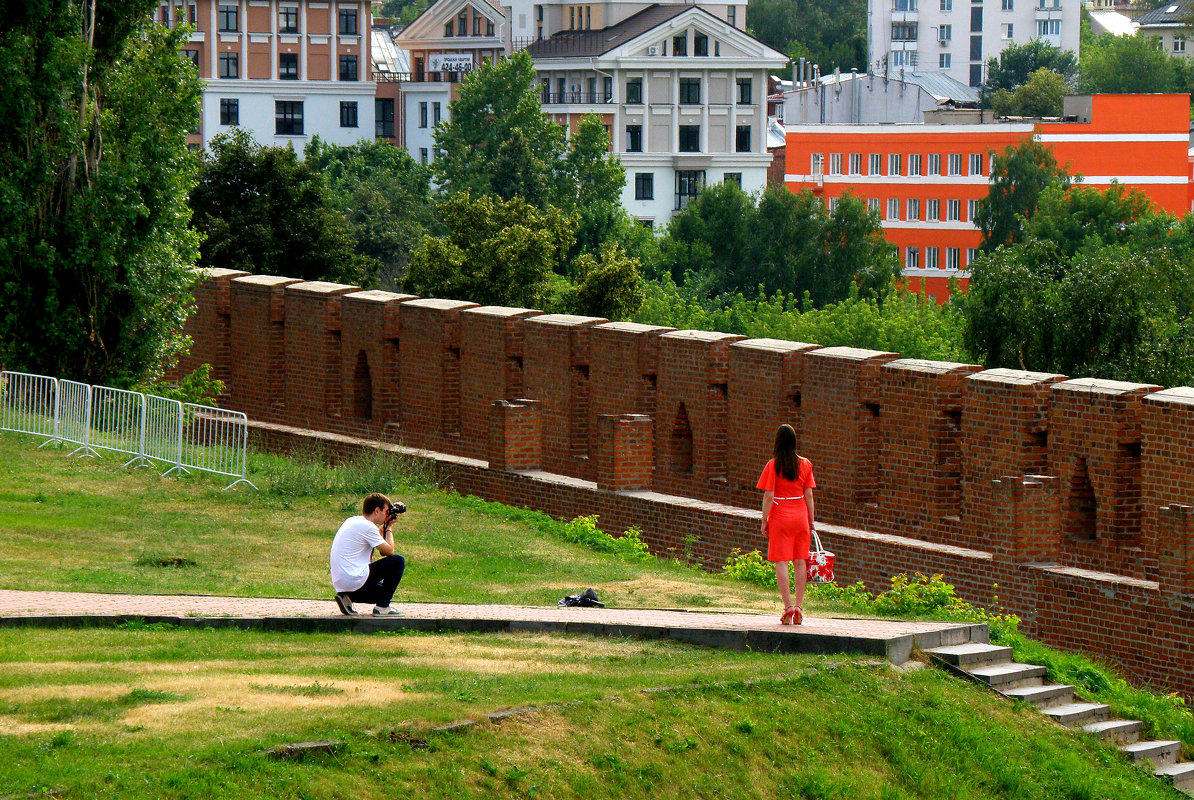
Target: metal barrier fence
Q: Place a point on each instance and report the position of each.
(149, 428)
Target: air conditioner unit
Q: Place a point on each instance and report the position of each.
(652, 50)
(944, 42)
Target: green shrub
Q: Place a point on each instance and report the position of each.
(309, 473)
(629, 546)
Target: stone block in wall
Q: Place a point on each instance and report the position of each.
(841, 411)
(210, 327)
(624, 368)
(1167, 465)
(921, 490)
(1095, 453)
(764, 392)
(1006, 432)
(313, 339)
(429, 359)
(257, 380)
(369, 364)
(1023, 514)
(556, 367)
(623, 452)
(515, 440)
(491, 358)
(692, 414)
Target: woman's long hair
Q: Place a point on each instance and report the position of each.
(786, 458)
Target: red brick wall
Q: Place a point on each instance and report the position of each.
(210, 326)
(933, 467)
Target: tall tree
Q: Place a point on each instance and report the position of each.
(1017, 63)
(1019, 175)
(831, 33)
(263, 210)
(1130, 64)
(1042, 96)
(95, 253)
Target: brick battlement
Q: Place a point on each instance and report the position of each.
(1073, 496)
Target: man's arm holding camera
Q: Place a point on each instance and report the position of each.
(386, 548)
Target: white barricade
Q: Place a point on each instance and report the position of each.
(162, 439)
(215, 440)
(29, 404)
(118, 422)
(74, 416)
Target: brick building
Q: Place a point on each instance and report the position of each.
(925, 179)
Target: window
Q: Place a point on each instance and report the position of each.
(894, 164)
(913, 210)
(953, 258)
(875, 165)
(689, 183)
(953, 210)
(904, 58)
(934, 163)
(1009, 5)
(634, 138)
(462, 23)
(592, 93)
(903, 31)
(976, 163)
(476, 25)
(734, 178)
(348, 68)
(955, 163)
(903, 5)
(971, 209)
(732, 15)
(423, 114)
(817, 165)
(700, 44)
(423, 155)
(288, 64)
(914, 165)
(690, 91)
(976, 73)
(745, 85)
(971, 254)
(348, 114)
(634, 90)
(347, 18)
(435, 114)
(448, 27)
(229, 64)
(607, 88)
(932, 257)
(933, 210)
(945, 33)
(912, 258)
(831, 205)
(976, 18)
(192, 56)
(945, 60)
(856, 163)
(1048, 27)
(489, 27)
(571, 18)
(1179, 45)
(893, 208)
(680, 45)
(644, 186)
(742, 139)
(835, 163)
(872, 205)
(227, 19)
(384, 110)
(690, 138)
(947, 5)
(229, 112)
(1007, 30)
(288, 19)
(288, 117)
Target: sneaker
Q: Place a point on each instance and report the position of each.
(386, 611)
(345, 603)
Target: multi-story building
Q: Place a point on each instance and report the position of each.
(958, 36)
(285, 70)
(925, 180)
(681, 88)
(1169, 22)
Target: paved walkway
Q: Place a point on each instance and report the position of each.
(890, 638)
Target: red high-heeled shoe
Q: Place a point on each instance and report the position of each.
(789, 613)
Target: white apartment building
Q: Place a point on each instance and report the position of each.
(1171, 24)
(959, 36)
(285, 70)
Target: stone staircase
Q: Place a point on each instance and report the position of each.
(992, 666)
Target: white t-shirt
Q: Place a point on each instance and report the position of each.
(351, 549)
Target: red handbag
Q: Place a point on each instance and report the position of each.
(820, 562)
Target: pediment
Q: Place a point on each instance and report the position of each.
(430, 24)
(723, 39)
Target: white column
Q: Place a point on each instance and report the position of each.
(273, 39)
(213, 41)
(303, 47)
(243, 24)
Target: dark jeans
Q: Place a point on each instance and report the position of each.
(384, 576)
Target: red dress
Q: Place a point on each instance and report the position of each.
(787, 523)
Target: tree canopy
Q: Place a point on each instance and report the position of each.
(1041, 96)
(1132, 64)
(831, 33)
(95, 253)
(1018, 176)
(1017, 63)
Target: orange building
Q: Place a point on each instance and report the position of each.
(925, 179)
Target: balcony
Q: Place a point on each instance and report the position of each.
(574, 98)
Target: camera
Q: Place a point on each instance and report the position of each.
(395, 509)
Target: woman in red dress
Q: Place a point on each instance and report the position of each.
(787, 484)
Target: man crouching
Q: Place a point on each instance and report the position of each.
(354, 578)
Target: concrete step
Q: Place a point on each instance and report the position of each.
(1052, 694)
(1073, 714)
(1161, 753)
(1180, 775)
(965, 656)
(1117, 730)
(1009, 676)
